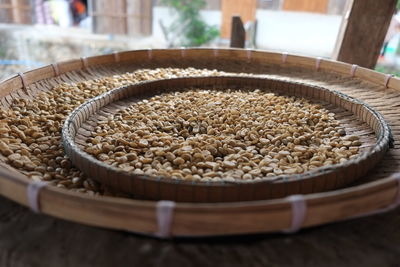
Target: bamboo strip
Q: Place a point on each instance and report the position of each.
(223, 218)
(323, 178)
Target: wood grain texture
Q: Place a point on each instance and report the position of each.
(238, 33)
(316, 6)
(246, 9)
(363, 32)
(15, 11)
(28, 239)
(131, 18)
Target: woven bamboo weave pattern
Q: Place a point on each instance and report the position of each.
(376, 190)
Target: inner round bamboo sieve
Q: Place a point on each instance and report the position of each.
(148, 187)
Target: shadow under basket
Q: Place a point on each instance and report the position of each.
(376, 190)
(357, 115)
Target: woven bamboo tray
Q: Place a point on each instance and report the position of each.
(377, 191)
(357, 116)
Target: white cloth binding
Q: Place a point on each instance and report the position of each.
(387, 79)
(284, 57)
(183, 51)
(84, 62)
(56, 69)
(23, 80)
(33, 191)
(353, 70)
(299, 211)
(116, 56)
(150, 54)
(249, 54)
(215, 52)
(165, 212)
(318, 63)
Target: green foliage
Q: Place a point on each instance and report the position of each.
(388, 70)
(189, 28)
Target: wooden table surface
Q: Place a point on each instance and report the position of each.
(28, 239)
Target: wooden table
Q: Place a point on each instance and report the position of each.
(28, 239)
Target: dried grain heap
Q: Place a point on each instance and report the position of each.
(31, 141)
(330, 84)
(214, 135)
(30, 130)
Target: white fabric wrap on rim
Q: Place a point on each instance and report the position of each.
(116, 56)
(318, 63)
(249, 54)
(183, 51)
(56, 69)
(215, 52)
(284, 57)
(299, 211)
(165, 214)
(387, 79)
(353, 70)
(23, 80)
(299, 208)
(84, 62)
(33, 191)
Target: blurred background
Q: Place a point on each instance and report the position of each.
(38, 32)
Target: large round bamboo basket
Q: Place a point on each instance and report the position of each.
(77, 127)
(377, 191)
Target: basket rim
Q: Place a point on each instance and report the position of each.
(13, 185)
(383, 136)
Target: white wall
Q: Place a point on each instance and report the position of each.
(293, 32)
(297, 32)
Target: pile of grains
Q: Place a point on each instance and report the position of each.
(214, 135)
(30, 130)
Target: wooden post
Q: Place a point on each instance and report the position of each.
(316, 6)
(139, 17)
(147, 17)
(238, 34)
(246, 9)
(16, 11)
(363, 31)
